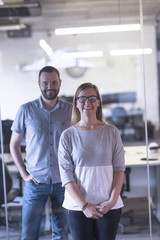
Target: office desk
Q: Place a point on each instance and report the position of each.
(131, 115)
(134, 154)
(138, 175)
(14, 173)
(12, 169)
(9, 160)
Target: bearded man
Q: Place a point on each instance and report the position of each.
(41, 123)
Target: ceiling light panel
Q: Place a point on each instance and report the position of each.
(45, 46)
(97, 29)
(126, 52)
(82, 54)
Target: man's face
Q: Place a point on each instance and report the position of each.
(49, 84)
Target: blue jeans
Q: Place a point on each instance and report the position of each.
(34, 199)
(83, 228)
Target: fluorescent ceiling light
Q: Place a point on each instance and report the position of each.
(46, 47)
(125, 52)
(97, 29)
(82, 54)
(16, 26)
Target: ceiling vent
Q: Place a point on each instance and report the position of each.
(25, 32)
(20, 10)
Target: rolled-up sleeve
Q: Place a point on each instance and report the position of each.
(18, 125)
(66, 166)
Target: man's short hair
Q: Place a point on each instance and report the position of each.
(48, 69)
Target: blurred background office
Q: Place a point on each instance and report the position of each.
(32, 36)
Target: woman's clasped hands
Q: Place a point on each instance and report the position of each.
(97, 211)
(92, 211)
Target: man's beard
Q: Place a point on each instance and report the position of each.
(50, 96)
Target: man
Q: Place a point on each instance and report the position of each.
(41, 122)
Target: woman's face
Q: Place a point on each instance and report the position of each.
(88, 102)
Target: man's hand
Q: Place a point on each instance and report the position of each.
(27, 177)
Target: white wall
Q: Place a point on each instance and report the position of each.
(110, 74)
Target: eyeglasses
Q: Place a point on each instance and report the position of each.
(82, 99)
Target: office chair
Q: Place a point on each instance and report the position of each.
(126, 188)
(119, 119)
(10, 192)
(6, 129)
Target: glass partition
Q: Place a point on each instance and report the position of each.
(128, 83)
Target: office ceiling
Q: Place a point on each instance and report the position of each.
(45, 15)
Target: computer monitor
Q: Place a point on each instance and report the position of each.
(124, 97)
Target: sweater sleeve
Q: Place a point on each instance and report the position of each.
(65, 159)
(118, 152)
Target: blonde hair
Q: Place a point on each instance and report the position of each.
(75, 111)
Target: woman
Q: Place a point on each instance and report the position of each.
(91, 160)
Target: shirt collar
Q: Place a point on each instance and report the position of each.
(40, 102)
(58, 104)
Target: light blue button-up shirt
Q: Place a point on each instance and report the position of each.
(42, 129)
